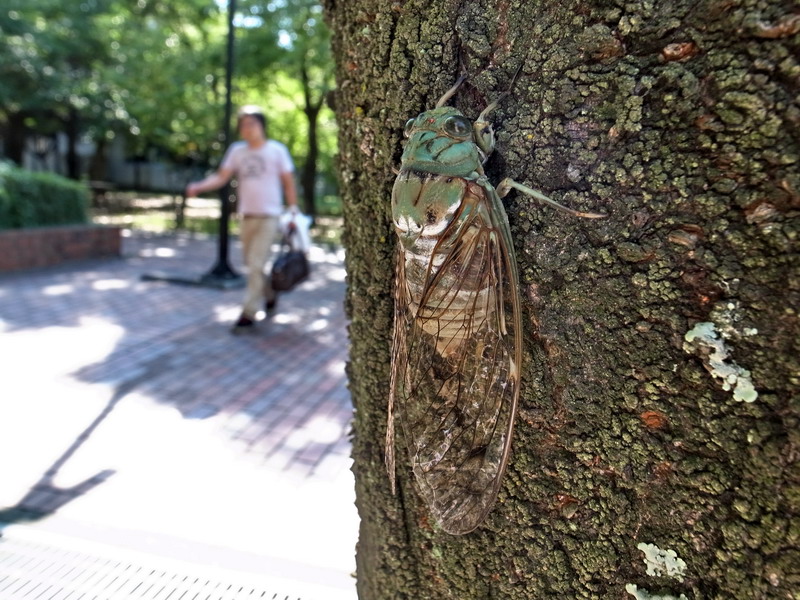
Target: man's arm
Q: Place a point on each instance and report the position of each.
(213, 182)
(289, 190)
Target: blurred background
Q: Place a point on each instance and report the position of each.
(128, 97)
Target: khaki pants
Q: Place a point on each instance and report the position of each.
(258, 234)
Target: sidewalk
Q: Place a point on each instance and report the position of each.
(136, 430)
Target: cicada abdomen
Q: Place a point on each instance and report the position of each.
(457, 350)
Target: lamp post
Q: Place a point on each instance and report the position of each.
(221, 274)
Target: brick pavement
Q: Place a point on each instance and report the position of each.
(133, 419)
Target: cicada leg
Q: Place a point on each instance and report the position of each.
(505, 186)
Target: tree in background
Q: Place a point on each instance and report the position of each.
(300, 81)
(170, 73)
(656, 449)
(98, 69)
(153, 72)
(47, 71)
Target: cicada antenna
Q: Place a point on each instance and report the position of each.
(498, 100)
(449, 93)
(461, 79)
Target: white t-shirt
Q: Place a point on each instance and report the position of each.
(258, 172)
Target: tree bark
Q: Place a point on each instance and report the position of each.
(643, 465)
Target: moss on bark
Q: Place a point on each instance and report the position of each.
(681, 121)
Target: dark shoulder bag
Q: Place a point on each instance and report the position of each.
(290, 266)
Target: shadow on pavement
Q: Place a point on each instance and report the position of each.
(157, 404)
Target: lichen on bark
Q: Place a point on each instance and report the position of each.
(681, 121)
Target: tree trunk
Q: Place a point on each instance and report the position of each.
(72, 126)
(99, 163)
(15, 135)
(311, 109)
(644, 464)
(308, 177)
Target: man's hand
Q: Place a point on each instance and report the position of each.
(212, 182)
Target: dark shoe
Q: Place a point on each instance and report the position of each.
(244, 324)
(271, 306)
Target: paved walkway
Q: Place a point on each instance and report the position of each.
(135, 427)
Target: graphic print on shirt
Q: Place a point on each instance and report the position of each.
(253, 166)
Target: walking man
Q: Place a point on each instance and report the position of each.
(265, 174)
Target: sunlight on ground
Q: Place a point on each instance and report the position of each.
(337, 275)
(164, 474)
(224, 314)
(317, 325)
(111, 284)
(172, 473)
(320, 430)
(287, 318)
(32, 405)
(337, 367)
(157, 252)
(91, 340)
(31, 391)
(124, 462)
(58, 289)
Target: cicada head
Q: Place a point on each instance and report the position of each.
(441, 141)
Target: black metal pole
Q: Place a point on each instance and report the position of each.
(222, 269)
(221, 274)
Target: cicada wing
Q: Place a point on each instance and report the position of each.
(399, 361)
(459, 380)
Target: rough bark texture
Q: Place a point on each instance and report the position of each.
(681, 120)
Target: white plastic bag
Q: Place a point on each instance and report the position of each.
(301, 241)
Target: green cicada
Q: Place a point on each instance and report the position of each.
(457, 348)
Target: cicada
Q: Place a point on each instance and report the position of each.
(457, 346)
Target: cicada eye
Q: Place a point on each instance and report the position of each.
(458, 126)
(409, 126)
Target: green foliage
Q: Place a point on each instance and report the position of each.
(29, 199)
(330, 206)
(168, 77)
(153, 71)
(282, 100)
(149, 70)
(294, 92)
(55, 58)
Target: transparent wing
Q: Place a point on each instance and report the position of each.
(399, 361)
(456, 379)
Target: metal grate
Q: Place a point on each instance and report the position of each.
(40, 571)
